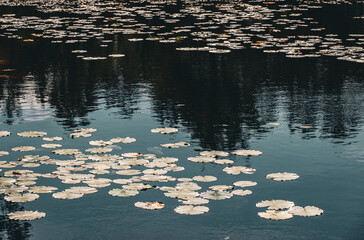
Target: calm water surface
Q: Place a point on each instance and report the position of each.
(218, 102)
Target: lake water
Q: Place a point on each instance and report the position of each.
(218, 101)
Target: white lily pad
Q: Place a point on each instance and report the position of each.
(245, 183)
(284, 176)
(241, 192)
(66, 151)
(205, 178)
(67, 195)
(149, 205)
(123, 192)
(32, 134)
(23, 149)
(275, 204)
(191, 210)
(275, 215)
(26, 215)
(164, 130)
(308, 211)
(51, 139)
(27, 197)
(216, 195)
(247, 152)
(4, 133)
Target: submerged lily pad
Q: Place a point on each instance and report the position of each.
(26, 215)
(191, 210)
(284, 176)
(308, 211)
(149, 205)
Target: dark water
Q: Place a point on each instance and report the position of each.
(218, 102)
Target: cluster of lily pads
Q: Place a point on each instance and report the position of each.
(274, 27)
(19, 185)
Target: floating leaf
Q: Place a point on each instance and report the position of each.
(175, 145)
(284, 176)
(195, 201)
(99, 150)
(51, 145)
(131, 155)
(100, 143)
(235, 170)
(82, 190)
(165, 130)
(205, 178)
(247, 152)
(223, 161)
(308, 211)
(220, 187)
(214, 153)
(123, 192)
(149, 205)
(275, 204)
(129, 172)
(26, 215)
(67, 195)
(181, 194)
(28, 197)
(201, 159)
(42, 189)
(32, 134)
(241, 192)
(51, 139)
(191, 210)
(216, 195)
(3, 153)
(4, 133)
(23, 149)
(123, 140)
(245, 184)
(275, 215)
(66, 151)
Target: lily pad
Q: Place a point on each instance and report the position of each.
(275, 204)
(284, 176)
(191, 210)
(149, 205)
(275, 215)
(26, 215)
(308, 211)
